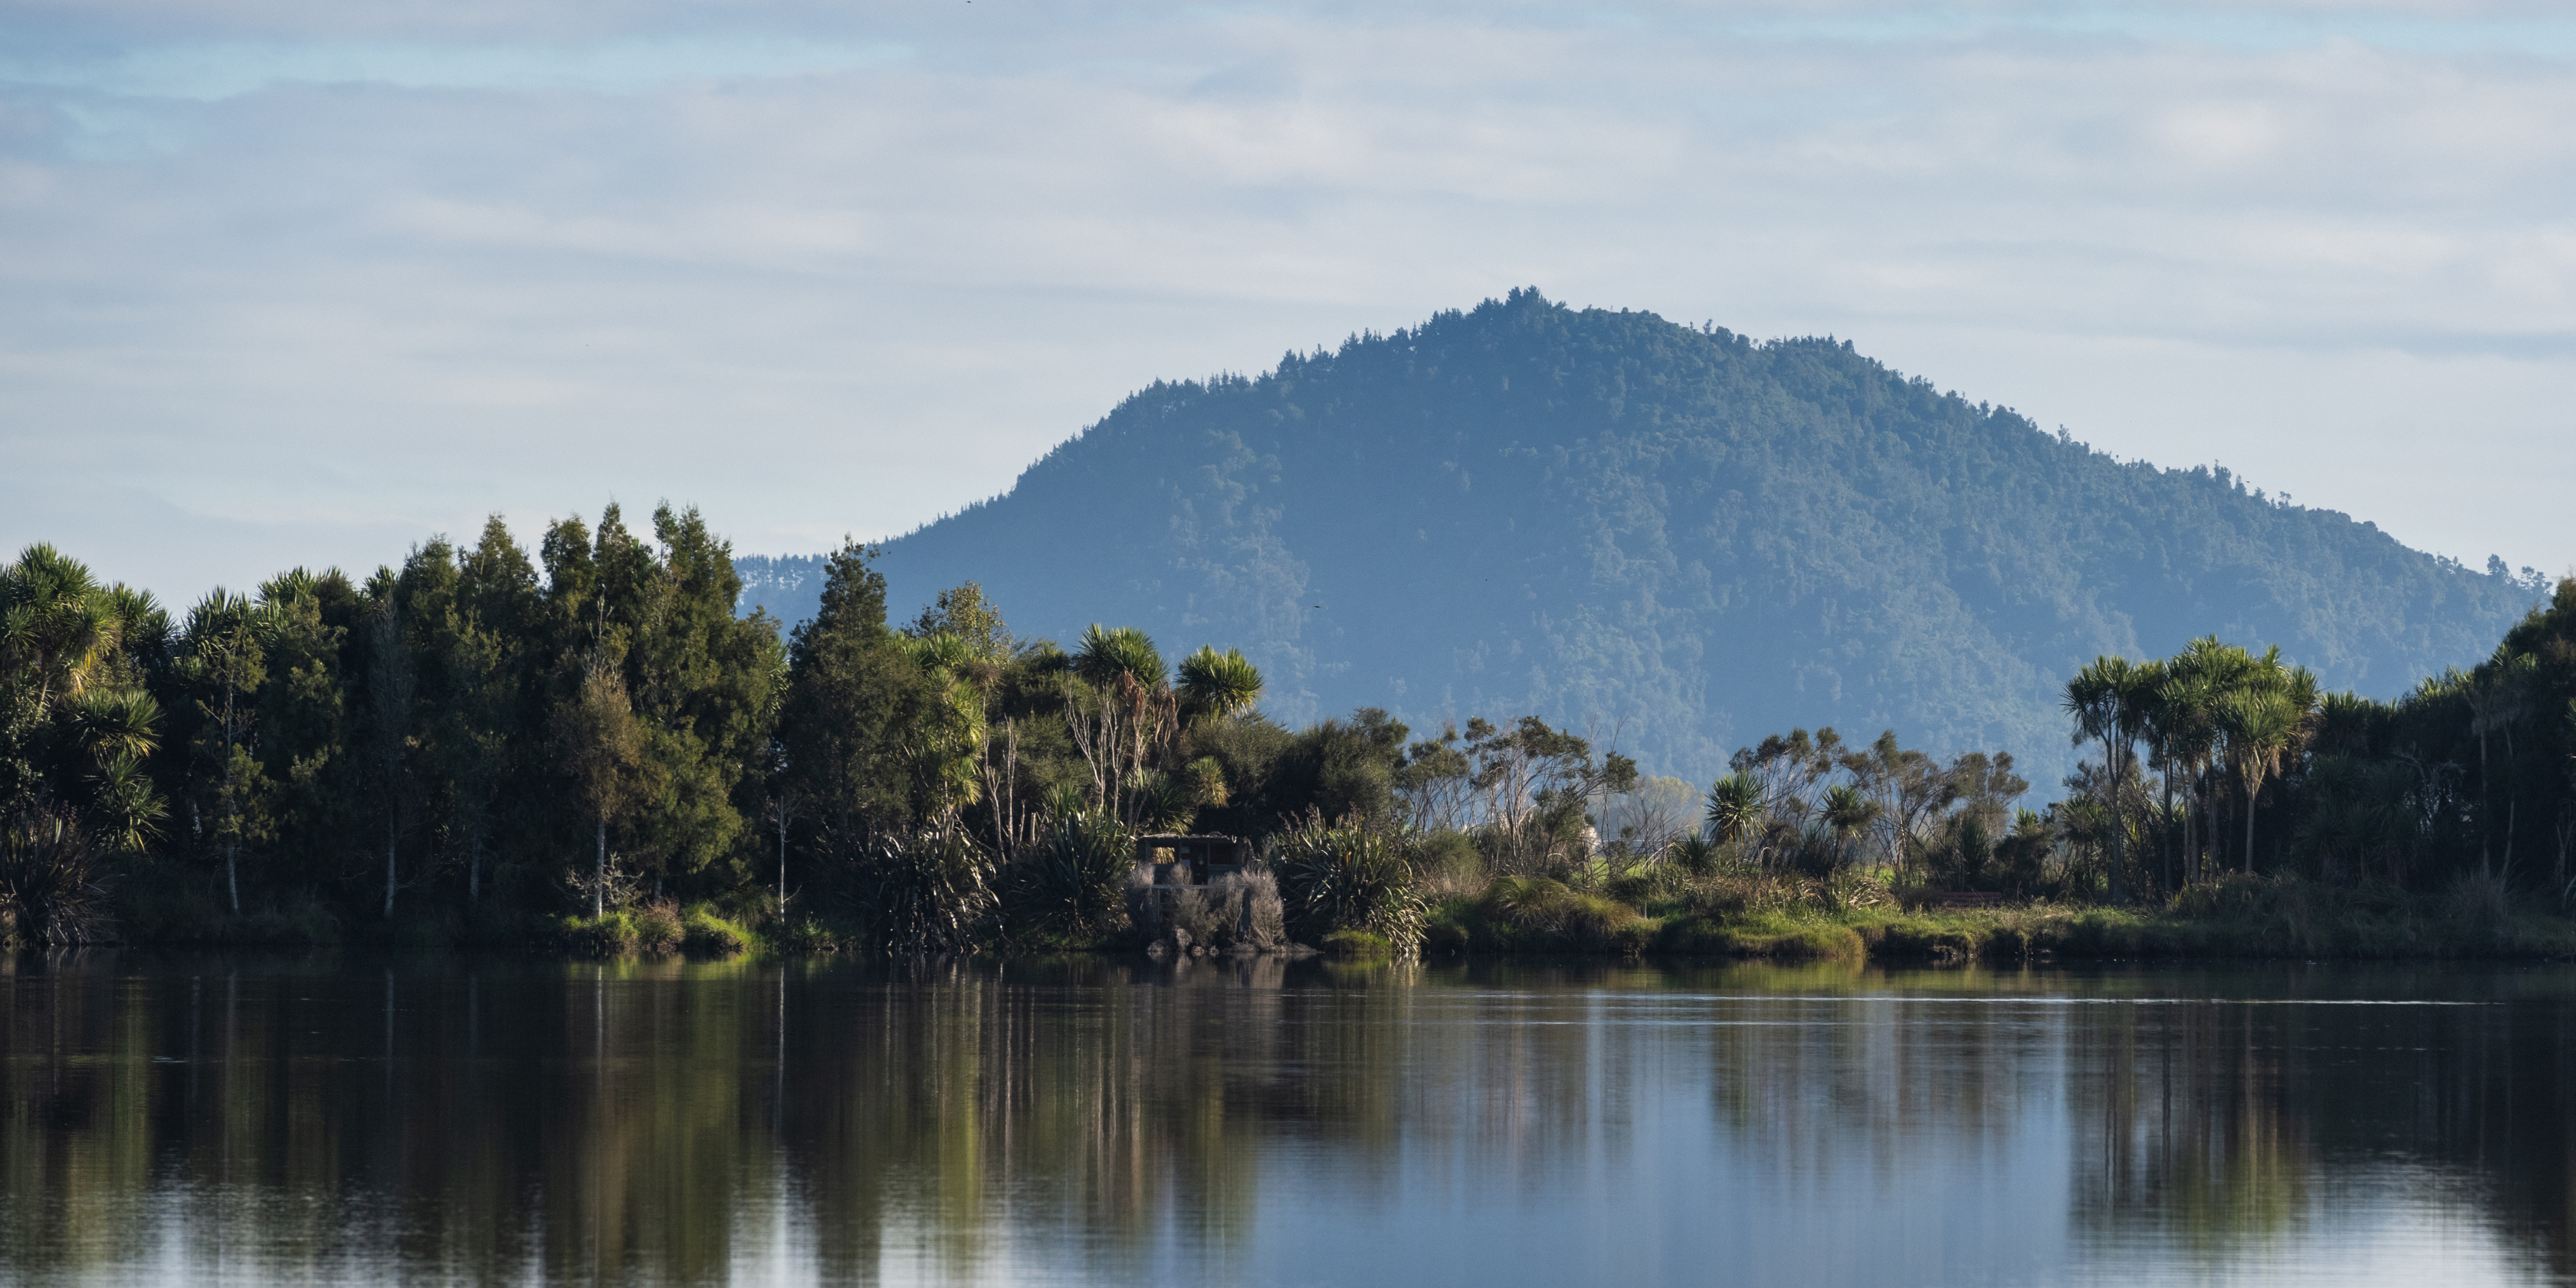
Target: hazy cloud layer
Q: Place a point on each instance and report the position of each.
(305, 282)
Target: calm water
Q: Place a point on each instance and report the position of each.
(270, 1120)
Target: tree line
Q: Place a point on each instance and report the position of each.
(490, 741)
(488, 734)
(2221, 760)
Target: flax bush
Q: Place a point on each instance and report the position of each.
(1072, 884)
(927, 892)
(50, 878)
(1347, 876)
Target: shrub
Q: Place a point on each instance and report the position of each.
(803, 935)
(2479, 907)
(1923, 939)
(1145, 907)
(1696, 854)
(928, 892)
(1347, 876)
(162, 901)
(1446, 931)
(2234, 895)
(1073, 884)
(491, 923)
(1539, 913)
(704, 934)
(610, 934)
(657, 927)
(1445, 859)
(52, 881)
(297, 921)
(649, 929)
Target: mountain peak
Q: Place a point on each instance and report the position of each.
(1674, 533)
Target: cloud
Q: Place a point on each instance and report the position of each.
(305, 283)
(227, 68)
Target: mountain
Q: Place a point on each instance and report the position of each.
(1671, 533)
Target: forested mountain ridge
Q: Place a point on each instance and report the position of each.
(1675, 533)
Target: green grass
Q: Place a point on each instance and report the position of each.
(2240, 917)
(647, 930)
(703, 933)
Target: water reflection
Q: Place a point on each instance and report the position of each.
(246, 1118)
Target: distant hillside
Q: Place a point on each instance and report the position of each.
(1680, 534)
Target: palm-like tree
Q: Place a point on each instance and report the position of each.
(1134, 710)
(2107, 699)
(127, 809)
(951, 738)
(57, 625)
(1735, 808)
(1106, 656)
(1847, 811)
(2187, 736)
(2259, 724)
(2499, 696)
(116, 722)
(2196, 684)
(115, 731)
(1215, 686)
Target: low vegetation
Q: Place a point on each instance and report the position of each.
(1748, 915)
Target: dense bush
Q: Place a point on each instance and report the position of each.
(651, 929)
(704, 934)
(50, 878)
(927, 892)
(1348, 876)
(1070, 886)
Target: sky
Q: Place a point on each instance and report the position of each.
(305, 282)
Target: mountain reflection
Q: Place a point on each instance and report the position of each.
(250, 1117)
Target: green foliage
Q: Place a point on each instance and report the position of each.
(1535, 914)
(1070, 885)
(650, 929)
(1735, 807)
(703, 933)
(51, 876)
(923, 892)
(1124, 653)
(803, 935)
(851, 696)
(1443, 855)
(1348, 876)
(1216, 686)
(445, 749)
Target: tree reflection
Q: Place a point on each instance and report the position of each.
(677, 1121)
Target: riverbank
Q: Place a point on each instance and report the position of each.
(1853, 918)
(2238, 917)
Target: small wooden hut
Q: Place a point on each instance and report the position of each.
(1192, 860)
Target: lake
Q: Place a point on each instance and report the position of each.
(337, 1118)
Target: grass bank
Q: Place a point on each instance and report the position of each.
(1861, 919)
